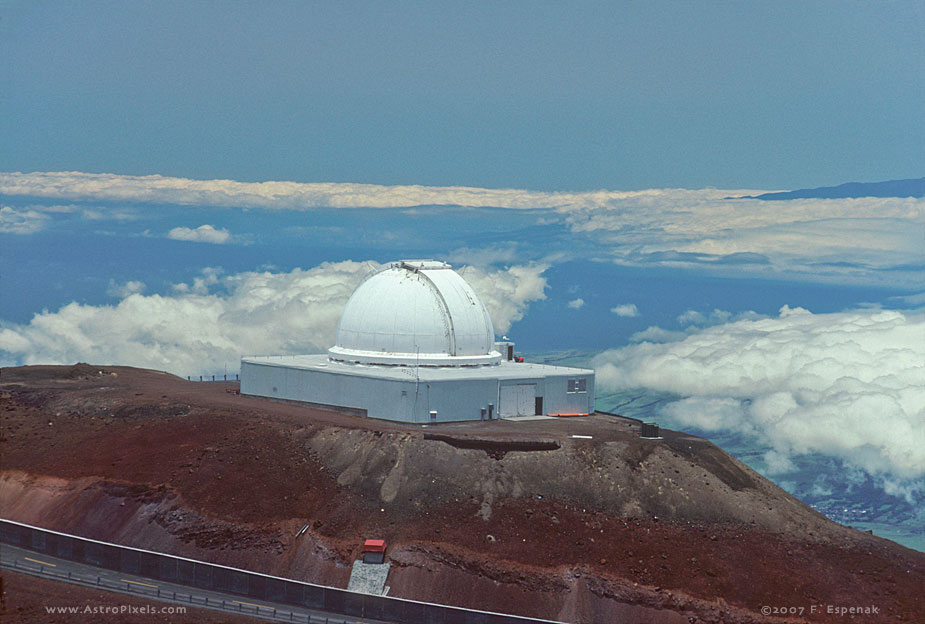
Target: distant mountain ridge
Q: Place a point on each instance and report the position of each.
(890, 188)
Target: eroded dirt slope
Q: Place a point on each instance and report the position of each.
(516, 517)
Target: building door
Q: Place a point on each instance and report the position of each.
(518, 400)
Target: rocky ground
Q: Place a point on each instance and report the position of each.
(508, 516)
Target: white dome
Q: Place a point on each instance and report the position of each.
(415, 312)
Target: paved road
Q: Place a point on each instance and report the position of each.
(39, 564)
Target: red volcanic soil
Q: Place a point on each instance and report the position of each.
(507, 516)
(25, 598)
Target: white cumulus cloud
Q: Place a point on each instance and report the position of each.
(123, 290)
(23, 221)
(213, 321)
(507, 292)
(576, 304)
(203, 234)
(625, 309)
(849, 385)
(657, 334)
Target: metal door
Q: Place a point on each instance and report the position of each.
(518, 400)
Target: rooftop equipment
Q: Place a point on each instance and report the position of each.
(649, 431)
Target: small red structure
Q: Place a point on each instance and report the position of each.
(374, 551)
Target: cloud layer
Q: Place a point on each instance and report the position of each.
(215, 320)
(849, 385)
(861, 240)
(280, 195)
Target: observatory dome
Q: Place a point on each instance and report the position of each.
(415, 313)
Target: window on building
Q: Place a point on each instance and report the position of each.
(577, 385)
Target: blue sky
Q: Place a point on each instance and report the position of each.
(547, 96)
(183, 183)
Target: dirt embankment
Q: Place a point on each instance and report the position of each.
(516, 517)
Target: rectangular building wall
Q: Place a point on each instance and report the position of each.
(569, 394)
(459, 399)
(412, 399)
(405, 401)
(376, 397)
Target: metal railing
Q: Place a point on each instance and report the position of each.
(194, 600)
(256, 585)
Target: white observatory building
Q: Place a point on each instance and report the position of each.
(416, 344)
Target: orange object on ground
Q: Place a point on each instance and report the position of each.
(567, 415)
(374, 545)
